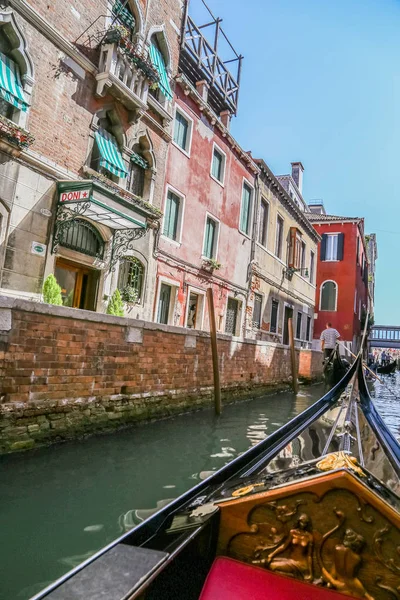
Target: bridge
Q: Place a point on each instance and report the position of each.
(384, 336)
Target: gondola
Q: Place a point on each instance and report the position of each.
(335, 367)
(390, 368)
(312, 513)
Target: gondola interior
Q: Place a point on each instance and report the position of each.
(312, 512)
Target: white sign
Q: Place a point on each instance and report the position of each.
(75, 196)
(38, 248)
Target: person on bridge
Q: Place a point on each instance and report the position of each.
(328, 339)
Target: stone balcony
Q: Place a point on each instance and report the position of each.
(122, 78)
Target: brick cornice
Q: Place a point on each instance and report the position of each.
(34, 18)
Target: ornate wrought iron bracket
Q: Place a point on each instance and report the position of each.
(66, 215)
(123, 242)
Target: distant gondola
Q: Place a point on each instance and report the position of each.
(390, 368)
(312, 512)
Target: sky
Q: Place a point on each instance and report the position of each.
(321, 84)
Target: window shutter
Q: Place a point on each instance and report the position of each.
(209, 238)
(340, 246)
(244, 217)
(171, 216)
(167, 216)
(323, 246)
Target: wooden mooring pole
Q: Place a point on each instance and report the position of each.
(293, 356)
(214, 350)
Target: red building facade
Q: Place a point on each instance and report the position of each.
(342, 276)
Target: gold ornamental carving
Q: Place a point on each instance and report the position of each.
(339, 460)
(328, 541)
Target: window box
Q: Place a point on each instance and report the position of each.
(14, 134)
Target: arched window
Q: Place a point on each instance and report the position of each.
(328, 296)
(106, 157)
(137, 174)
(130, 280)
(163, 93)
(122, 15)
(82, 236)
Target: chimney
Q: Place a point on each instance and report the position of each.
(203, 87)
(297, 174)
(225, 117)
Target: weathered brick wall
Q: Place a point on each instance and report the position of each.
(67, 372)
(310, 365)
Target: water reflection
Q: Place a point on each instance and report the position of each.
(71, 500)
(387, 400)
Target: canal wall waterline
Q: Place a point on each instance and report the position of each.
(65, 373)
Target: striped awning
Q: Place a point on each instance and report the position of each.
(10, 83)
(158, 61)
(139, 160)
(111, 157)
(122, 12)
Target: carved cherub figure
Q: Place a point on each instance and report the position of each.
(347, 561)
(299, 547)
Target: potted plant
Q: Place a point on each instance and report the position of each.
(129, 294)
(211, 264)
(115, 34)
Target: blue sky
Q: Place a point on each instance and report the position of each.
(321, 84)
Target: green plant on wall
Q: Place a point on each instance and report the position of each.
(51, 291)
(115, 306)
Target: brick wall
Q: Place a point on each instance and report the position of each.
(67, 372)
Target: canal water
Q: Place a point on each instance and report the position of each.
(59, 505)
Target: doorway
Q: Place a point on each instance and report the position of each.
(164, 304)
(288, 315)
(78, 284)
(194, 316)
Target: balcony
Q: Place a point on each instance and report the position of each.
(125, 72)
(201, 60)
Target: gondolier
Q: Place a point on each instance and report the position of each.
(328, 339)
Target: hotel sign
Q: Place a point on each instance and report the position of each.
(75, 195)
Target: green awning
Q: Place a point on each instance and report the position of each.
(111, 157)
(10, 83)
(139, 160)
(122, 13)
(158, 61)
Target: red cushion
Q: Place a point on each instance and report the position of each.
(232, 580)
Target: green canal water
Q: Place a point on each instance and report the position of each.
(61, 504)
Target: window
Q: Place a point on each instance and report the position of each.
(298, 325)
(123, 15)
(279, 237)
(358, 250)
(312, 266)
(210, 238)
(355, 302)
(164, 304)
(274, 316)
(195, 310)
(106, 156)
(263, 228)
(328, 296)
(80, 235)
(257, 311)
(11, 91)
(218, 165)
(163, 92)
(137, 174)
(232, 322)
(172, 216)
(308, 329)
(182, 131)
(245, 212)
(131, 274)
(295, 248)
(303, 258)
(332, 246)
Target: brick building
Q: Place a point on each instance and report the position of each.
(283, 268)
(85, 124)
(342, 296)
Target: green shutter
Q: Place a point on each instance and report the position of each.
(209, 238)
(123, 14)
(181, 131)
(171, 216)
(158, 62)
(245, 211)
